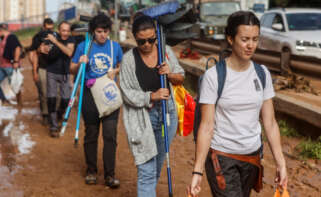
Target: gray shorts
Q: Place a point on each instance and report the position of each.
(55, 81)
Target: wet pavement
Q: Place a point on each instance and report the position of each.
(15, 141)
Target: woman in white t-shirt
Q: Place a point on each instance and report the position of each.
(229, 136)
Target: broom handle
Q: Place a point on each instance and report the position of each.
(164, 110)
(82, 84)
(75, 88)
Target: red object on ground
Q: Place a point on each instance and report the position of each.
(188, 53)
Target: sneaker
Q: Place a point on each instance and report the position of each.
(91, 179)
(112, 182)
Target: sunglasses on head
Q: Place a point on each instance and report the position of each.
(143, 41)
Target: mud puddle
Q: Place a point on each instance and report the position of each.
(15, 141)
(8, 165)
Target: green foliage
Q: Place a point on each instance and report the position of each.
(286, 130)
(106, 4)
(26, 33)
(310, 148)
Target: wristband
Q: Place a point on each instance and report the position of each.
(199, 173)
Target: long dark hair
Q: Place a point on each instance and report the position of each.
(233, 22)
(142, 22)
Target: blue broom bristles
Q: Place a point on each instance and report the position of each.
(168, 7)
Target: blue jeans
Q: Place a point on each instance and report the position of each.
(4, 72)
(149, 172)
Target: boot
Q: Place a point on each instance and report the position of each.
(53, 124)
(62, 108)
(45, 120)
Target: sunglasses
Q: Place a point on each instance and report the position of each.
(143, 41)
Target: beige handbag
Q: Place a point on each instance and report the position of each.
(106, 93)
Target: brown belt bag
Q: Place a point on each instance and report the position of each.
(254, 160)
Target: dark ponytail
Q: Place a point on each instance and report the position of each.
(233, 22)
(240, 18)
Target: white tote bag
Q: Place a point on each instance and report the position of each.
(106, 93)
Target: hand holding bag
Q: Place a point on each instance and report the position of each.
(106, 93)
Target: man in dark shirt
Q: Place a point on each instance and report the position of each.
(39, 64)
(58, 50)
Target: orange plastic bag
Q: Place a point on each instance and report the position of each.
(185, 110)
(285, 193)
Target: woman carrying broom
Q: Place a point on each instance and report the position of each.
(141, 90)
(104, 58)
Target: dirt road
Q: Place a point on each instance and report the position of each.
(36, 165)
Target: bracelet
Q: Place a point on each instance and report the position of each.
(199, 173)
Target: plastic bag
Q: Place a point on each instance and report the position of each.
(185, 110)
(16, 81)
(8, 93)
(285, 193)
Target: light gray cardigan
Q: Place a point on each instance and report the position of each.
(136, 120)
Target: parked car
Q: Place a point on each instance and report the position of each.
(213, 17)
(291, 31)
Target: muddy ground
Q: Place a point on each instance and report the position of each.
(51, 167)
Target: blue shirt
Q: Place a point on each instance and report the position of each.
(99, 58)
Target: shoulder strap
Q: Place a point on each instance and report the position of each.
(260, 73)
(111, 54)
(221, 76)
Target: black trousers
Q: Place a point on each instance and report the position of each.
(109, 128)
(240, 177)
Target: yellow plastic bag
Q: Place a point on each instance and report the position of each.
(285, 193)
(185, 110)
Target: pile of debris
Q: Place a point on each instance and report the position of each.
(298, 83)
(188, 53)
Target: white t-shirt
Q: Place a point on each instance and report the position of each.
(237, 129)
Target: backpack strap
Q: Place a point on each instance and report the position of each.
(112, 54)
(221, 77)
(260, 73)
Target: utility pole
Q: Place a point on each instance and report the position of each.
(116, 19)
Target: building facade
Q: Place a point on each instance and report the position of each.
(22, 11)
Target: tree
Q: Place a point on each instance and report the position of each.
(105, 4)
